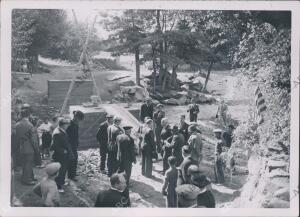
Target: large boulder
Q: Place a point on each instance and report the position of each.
(283, 194)
(139, 91)
(128, 83)
(171, 101)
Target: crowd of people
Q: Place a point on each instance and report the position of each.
(179, 146)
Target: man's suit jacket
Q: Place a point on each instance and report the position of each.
(26, 137)
(102, 135)
(176, 144)
(126, 149)
(113, 131)
(146, 111)
(184, 129)
(112, 198)
(60, 145)
(148, 141)
(195, 143)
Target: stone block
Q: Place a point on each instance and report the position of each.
(275, 203)
(272, 164)
(283, 194)
(278, 173)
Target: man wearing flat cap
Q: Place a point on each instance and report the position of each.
(63, 153)
(126, 152)
(102, 138)
(195, 143)
(146, 110)
(113, 131)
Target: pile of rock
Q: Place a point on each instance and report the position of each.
(88, 162)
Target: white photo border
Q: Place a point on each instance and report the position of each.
(5, 91)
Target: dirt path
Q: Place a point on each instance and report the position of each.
(144, 192)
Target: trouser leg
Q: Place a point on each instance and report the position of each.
(60, 179)
(103, 154)
(112, 163)
(128, 169)
(148, 165)
(28, 163)
(73, 166)
(143, 163)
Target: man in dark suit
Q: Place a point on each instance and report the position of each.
(126, 152)
(26, 140)
(116, 196)
(184, 128)
(193, 109)
(113, 131)
(183, 175)
(177, 142)
(102, 138)
(146, 110)
(62, 151)
(148, 148)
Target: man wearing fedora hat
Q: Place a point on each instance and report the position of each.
(102, 138)
(126, 152)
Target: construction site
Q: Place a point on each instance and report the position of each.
(99, 85)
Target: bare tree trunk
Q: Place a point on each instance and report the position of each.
(164, 83)
(161, 50)
(154, 68)
(174, 76)
(137, 66)
(207, 75)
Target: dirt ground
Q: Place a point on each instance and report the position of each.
(144, 192)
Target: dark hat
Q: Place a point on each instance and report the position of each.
(186, 149)
(175, 128)
(61, 121)
(200, 180)
(109, 116)
(231, 126)
(127, 127)
(192, 128)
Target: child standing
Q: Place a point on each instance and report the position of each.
(49, 191)
(170, 183)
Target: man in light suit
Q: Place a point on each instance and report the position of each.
(28, 146)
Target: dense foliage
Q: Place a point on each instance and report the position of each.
(48, 33)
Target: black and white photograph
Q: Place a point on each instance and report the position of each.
(151, 108)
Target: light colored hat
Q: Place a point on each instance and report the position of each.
(217, 131)
(117, 118)
(62, 120)
(52, 168)
(147, 121)
(159, 105)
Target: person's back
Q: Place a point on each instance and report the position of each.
(109, 198)
(172, 176)
(50, 194)
(195, 142)
(25, 134)
(206, 199)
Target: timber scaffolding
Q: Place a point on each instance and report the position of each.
(80, 91)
